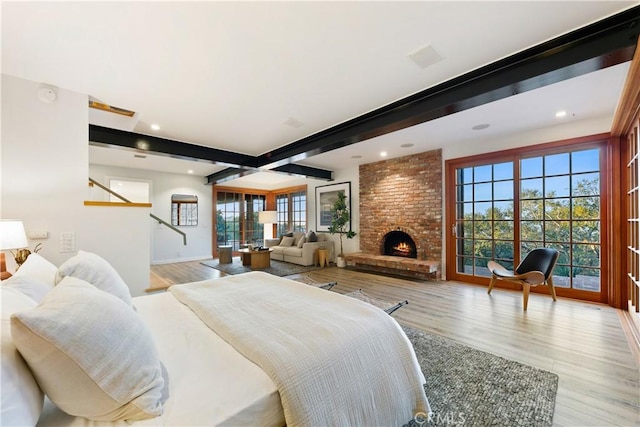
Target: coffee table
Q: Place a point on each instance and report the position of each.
(256, 259)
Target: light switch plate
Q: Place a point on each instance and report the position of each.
(67, 241)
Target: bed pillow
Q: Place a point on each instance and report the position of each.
(96, 270)
(30, 286)
(39, 268)
(21, 396)
(91, 354)
(286, 241)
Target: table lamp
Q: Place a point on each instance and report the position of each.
(12, 236)
(268, 218)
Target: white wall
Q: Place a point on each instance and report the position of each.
(166, 245)
(44, 164)
(343, 175)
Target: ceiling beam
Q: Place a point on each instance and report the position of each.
(229, 174)
(596, 46)
(107, 137)
(239, 164)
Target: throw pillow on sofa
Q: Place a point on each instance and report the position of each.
(286, 241)
(311, 237)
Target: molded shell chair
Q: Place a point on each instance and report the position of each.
(535, 269)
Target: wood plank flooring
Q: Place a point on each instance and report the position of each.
(584, 343)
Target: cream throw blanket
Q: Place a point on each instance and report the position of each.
(335, 360)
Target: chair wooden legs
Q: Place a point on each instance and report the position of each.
(525, 297)
(493, 282)
(551, 288)
(526, 289)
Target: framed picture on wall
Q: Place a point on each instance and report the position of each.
(326, 195)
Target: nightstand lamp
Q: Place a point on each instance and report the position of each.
(12, 236)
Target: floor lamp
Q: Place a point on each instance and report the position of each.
(268, 218)
(12, 236)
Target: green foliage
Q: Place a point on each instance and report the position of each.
(340, 217)
(569, 224)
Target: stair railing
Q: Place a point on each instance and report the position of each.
(160, 220)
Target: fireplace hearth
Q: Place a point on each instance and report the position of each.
(400, 244)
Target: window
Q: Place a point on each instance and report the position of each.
(484, 212)
(292, 211)
(237, 218)
(503, 209)
(560, 208)
(184, 209)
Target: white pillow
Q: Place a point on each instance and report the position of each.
(30, 286)
(91, 354)
(301, 241)
(21, 396)
(38, 268)
(96, 270)
(286, 241)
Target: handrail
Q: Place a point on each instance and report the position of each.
(160, 220)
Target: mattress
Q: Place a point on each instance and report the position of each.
(210, 383)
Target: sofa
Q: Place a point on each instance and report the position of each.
(300, 248)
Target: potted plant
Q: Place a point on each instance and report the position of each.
(340, 217)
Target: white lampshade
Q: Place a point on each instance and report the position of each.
(12, 235)
(268, 217)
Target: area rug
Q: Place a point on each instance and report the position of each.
(470, 387)
(278, 268)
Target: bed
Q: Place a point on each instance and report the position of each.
(250, 349)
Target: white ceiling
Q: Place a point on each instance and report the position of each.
(230, 74)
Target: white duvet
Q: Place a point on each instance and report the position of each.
(336, 361)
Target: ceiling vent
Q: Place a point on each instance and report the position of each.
(425, 56)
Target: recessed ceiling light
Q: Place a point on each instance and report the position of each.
(406, 145)
(560, 114)
(190, 171)
(481, 126)
(357, 156)
(383, 154)
(155, 127)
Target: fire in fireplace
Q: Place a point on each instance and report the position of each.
(399, 243)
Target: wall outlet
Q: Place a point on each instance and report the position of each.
(35, 235)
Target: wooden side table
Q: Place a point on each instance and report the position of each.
(323, 255)
(224, 254)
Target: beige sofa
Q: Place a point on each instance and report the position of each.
(296, 249)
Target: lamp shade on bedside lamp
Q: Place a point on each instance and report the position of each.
(12, 236)
(268, 218)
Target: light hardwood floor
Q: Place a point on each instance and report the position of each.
(584, 343)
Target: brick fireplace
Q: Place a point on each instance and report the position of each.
(401, 195)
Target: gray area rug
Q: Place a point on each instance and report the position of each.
(278, 268)
(470, 387)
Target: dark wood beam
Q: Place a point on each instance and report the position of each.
(102, 136)
(308, 171)
(602, 44)
(288, 169)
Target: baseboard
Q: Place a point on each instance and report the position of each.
(173, 261)
(630, 328)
